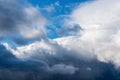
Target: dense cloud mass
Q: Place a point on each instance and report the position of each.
(52, 67)
(89, 49)
(100, 21)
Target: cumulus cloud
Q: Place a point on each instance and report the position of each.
(100, 22)
(24, 20)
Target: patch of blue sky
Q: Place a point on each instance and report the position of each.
(8, 40)
(56, 11)
(43, 3)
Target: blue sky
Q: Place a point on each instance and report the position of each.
(42, 3)
(59, 9)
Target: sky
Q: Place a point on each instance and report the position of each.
(60, 40)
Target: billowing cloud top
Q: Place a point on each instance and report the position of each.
(100, 21)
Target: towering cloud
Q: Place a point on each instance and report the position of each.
(100, 36)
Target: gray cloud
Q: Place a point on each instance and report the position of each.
(54, 68)
(72, 30)
(63, 69)
(24, 20)
(11, 13)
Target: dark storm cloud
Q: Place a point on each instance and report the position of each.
(8, 60)
(12, 68)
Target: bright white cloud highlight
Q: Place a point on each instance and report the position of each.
(100, 21)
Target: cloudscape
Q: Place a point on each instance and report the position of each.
(59, 40)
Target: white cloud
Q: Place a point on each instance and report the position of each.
(52, 7)
(35, 23)
(100, 38)
(77, 47)
(39, 50)
(33, 51)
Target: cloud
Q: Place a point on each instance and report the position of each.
(51, 8)
(72, 30)
(42, 49)
(24, 20)
(53, 67)
(77, 47)
(87, 53)
(63, 69)
(100, 36)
